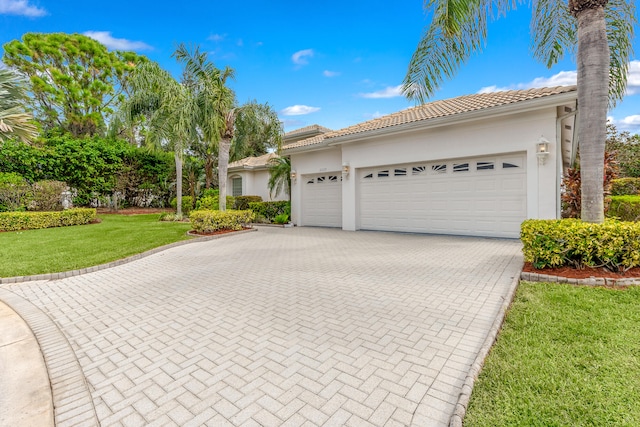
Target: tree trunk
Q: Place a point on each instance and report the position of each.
(593, 96)
(178, 158)
(223, 163)
(208, 169)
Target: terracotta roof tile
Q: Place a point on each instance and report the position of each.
(436, 109)
(253, 162)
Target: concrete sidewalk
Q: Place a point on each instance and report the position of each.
(280, 327)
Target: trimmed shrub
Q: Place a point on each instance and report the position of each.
(13, 221)
(187, 204)
(208, 221)
(47, 196)
(625, 186)
(625, 208)
(212, 202)
(281, 219)
(269, 210)
(556, 243)
(242, 202)
(15, 192)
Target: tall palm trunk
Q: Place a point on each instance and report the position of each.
(593, 93)
(178, 159)
(223, 163)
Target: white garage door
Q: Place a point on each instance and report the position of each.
(474, 197)
(322, 199)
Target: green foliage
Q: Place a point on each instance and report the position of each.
(208, 221)
(13, 221)
(47, 195)
(555, 243)
(280, 176)
(187, 204)
(74, 80)
(281, 219)
(212, 202)
(15, 192)
(627, 149)
(625, 208)
(15, 122)
(242, 202)
(269, 210)
(211, 192)
(625, 186)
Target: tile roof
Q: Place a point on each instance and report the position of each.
(306, 129)
(253, 162)
(437, 109)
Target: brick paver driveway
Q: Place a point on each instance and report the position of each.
(277, 327)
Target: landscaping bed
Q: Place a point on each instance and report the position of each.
(582, 273)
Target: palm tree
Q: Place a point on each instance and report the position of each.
(603, 31)
(280, 176)
(219, 117)
(169, 108)
(14, 120)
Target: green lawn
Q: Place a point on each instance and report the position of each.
(68, 248)
(567, 356)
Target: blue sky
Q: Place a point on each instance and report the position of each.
(334, 63)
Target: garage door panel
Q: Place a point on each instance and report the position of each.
(483, 197)
(322, 200)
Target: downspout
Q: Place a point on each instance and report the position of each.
(559, 165)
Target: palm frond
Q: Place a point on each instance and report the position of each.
(554, 31)
(621, 21)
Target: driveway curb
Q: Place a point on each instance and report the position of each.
(71, 273)
(465, 395)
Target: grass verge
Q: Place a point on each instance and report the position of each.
(53, 250)
(566, 355)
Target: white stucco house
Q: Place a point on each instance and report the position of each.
(250, 176)
(474, 165)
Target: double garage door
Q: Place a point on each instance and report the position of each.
(474, 197)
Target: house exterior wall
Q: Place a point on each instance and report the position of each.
(254, 183)
(328, 160)
(514, 133)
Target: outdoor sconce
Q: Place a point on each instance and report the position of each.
(293, 175)
(345, 169)
(542, 150)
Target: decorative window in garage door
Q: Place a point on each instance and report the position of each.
(324, 179)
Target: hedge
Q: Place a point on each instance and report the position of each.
(13, 221)
(241, 203)
(212, 202)
(269, 210)
(571, 242)
(624, 208)
(187, 204)
(208, 221)
(625, 186)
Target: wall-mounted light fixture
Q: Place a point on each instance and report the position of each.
(293, 175)
(345, 169)
(542, 150)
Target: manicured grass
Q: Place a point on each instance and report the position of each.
(567, 356)
(68, 248)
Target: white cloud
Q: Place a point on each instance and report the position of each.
(629, 123)
(217, 37)
(298, 110)
(388, 92)
(21, 8)
(301, 56)
(563, 78)
(328, 73)
(633, 78)
(111, 42)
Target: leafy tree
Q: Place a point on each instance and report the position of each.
(280, 176)
(602, 30)
(75, 81)
(14, 120)
(219, 118)
(627, 149)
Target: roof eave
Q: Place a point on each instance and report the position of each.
(500, 110)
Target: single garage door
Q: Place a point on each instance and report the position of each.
(474, 197)
(322, 199)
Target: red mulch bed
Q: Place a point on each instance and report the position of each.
(585, 273)
(215, 233)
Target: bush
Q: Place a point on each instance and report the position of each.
(625, 186)
(281, 219)
(269, 210)
(208, 221)
(187, 204)
(13, 221)
(625, 208)
(212, 202)
(556, 243)
(242, 202)
(15, 192)
(47, 196)
(211, 192)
